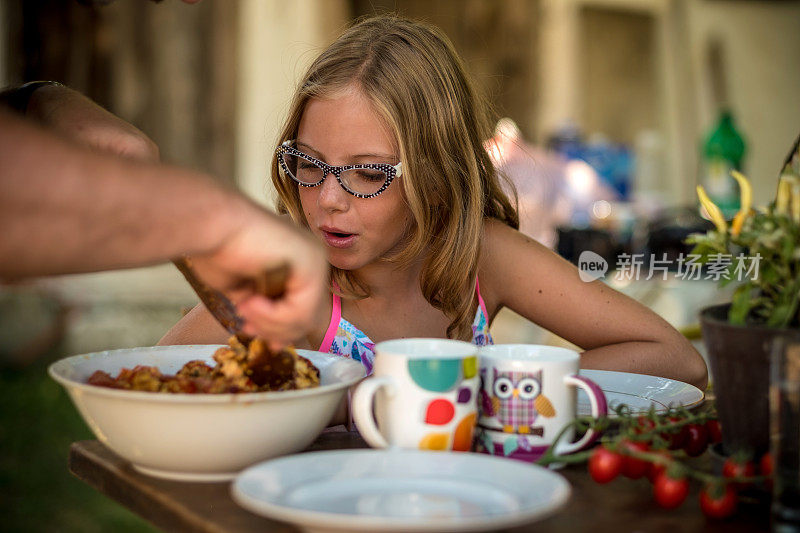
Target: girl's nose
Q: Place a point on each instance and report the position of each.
(331, 195)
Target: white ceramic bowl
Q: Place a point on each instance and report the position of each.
(200, 437)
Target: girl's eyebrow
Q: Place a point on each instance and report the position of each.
(357, 156)
(316, 153)
(374, 156)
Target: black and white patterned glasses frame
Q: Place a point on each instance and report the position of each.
(391, 171)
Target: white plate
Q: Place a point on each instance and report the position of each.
(399, 490)
(639, 392)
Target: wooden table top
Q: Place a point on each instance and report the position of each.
(622, 505)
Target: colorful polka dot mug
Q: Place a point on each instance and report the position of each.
(528, 396)
(423, 392)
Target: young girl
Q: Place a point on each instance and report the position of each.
(382, 158)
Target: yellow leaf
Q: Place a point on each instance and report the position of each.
(745, 200)
(738, 221)
(745, 191)
(784, 195)
(713, 211)
(796, 201)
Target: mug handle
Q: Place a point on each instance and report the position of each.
(362, 409)
(599, 408)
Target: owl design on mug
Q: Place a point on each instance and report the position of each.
(517, 401)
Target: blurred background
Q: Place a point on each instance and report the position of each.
(613, 111)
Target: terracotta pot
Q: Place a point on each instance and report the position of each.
(740, 360)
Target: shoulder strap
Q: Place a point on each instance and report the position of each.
(336, 317)
(480, 299)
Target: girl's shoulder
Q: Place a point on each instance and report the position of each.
(494, 228)
(499, 240)
(507, 254)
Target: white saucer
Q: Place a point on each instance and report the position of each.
(399, 490)
(639, 392)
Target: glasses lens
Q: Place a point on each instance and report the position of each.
(364, 180)
(302, 169)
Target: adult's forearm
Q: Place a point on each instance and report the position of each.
(66, 209)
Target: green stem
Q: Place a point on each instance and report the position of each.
(616, 444)
(587, 423)
(669, 427)
(700, 475)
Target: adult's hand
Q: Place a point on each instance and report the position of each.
(262, 241)
(75, 116)
(139, 214)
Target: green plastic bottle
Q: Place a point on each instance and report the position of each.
(723, 151)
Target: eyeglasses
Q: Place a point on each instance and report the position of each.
(362, 181)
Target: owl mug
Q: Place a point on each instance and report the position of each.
(424, 395)
(528, 396)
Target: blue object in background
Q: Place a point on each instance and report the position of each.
(613, 162)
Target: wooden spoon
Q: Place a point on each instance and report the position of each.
(263, 366)
(271, 283)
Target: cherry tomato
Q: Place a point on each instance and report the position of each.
(767, 468)
(656, 469)
(675, 440)
(632, 467)
(733, 468)
(643, 425)
(604, 465)
(669, 492)
(765, 465)
(698, 440)
(714, 431)
(718, 501)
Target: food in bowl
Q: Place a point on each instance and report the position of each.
(239, 368)
(201, 437)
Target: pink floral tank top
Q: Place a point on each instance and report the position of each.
(343, 338)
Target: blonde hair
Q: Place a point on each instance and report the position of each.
(416, 82)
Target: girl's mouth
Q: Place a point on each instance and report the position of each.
(339, 239)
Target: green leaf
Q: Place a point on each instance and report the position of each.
(768, 274)
(730, 274)
(786, 307)
(789, 246)
(741, 305)
(782, 315)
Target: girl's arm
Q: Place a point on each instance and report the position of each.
(617, 332)
(197, 327)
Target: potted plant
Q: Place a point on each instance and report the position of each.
(759, 249)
